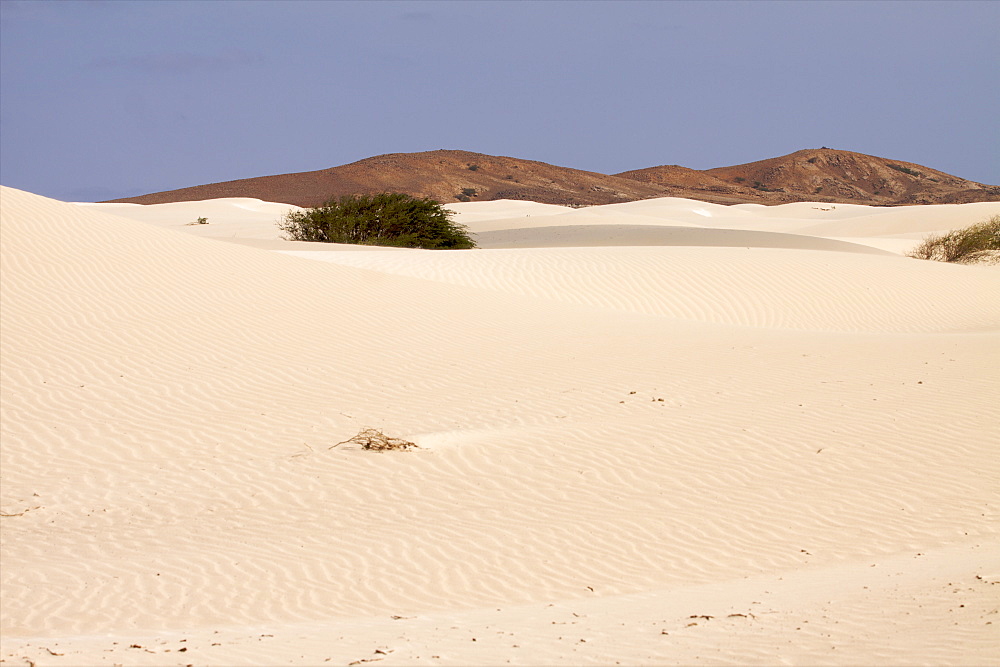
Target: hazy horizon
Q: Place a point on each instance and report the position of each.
(103, 100)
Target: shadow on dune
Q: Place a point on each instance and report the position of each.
(568, 236)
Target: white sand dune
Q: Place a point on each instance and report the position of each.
(234, 217)
(761, 287)
(645, 454)
(530, 224)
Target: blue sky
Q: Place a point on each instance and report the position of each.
(112, 99)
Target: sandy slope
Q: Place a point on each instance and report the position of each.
(641, 454)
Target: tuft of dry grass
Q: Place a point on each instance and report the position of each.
(374, 440)
(978, 243)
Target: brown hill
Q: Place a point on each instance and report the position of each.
(823, 174)
(678, 181)
(445, 175)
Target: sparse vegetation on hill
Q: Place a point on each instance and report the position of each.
(904, 170)
(386, 219)
(970, 245)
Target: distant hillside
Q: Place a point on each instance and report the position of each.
(448, 175)
(444, 175)
(824, 174)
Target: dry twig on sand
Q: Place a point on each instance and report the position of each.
(374, 440)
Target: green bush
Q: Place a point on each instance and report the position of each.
(974, 243)
(386, 219)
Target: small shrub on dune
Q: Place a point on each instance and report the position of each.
(386, 219)
(979, 243)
